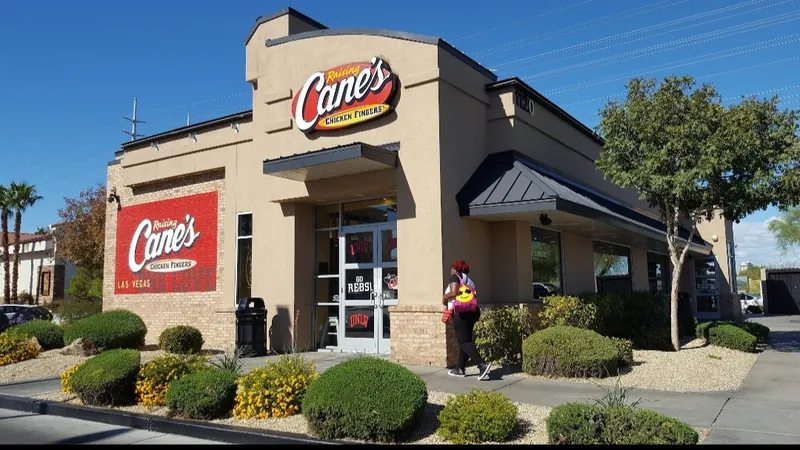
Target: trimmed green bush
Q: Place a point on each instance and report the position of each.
(569, 352)
(761, 332)
(181, 339)
(108, 379)
(567, 310)
(365, 398)
(500, 331)
(477, 417)
(48, 334)
(206, 394)
(733, 337)
(633, 316)
(576, 424)
(624, 351)
(109, 330)
(70, 311)
(656, 339)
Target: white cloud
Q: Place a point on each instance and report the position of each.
(755, 243)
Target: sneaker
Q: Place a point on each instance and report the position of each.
(483, 371)
(457, 373)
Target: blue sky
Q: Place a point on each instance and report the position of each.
(71, 69)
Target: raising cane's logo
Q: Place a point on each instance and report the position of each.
(167, 246)
(344, 96)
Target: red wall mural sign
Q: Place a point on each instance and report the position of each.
(167, 246)
(344, 96)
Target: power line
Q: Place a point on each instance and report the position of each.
(739, 69)
(642, 30)
(769, 43)
(661, 48)
(517, 22)
(605, 20)
(643, 38)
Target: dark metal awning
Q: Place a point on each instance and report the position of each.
(510, 184)
(333, 162)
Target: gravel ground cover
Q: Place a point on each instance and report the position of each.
(50, 364)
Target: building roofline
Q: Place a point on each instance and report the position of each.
(290, 11)
(189, 128)
(548, 104)
(413, 37)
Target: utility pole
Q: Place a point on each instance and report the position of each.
(134, 121)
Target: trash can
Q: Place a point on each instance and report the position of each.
(251, 327)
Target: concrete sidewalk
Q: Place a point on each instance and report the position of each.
(764, 408)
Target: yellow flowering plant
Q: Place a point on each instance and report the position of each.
(155, 376)
(66, 377)
(276, 390)
(15, 348)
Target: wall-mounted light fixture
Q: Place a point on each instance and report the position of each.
(113, 197)
(193, 137)
(154, 145)
(235, 127)
(715, 238)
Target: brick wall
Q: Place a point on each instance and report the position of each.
(206, 311)
(419, 337)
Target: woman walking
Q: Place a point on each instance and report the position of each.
(461, 290)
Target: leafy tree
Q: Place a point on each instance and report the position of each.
(608, 264)
(5, 211)
(81, 235)
(86, 284)
(787, 230)
(41, 230)
(692, 157)
(21, 196)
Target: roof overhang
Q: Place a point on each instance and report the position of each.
(331, 163)
(509, 186)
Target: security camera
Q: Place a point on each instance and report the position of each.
(111, 198)
(545, 220)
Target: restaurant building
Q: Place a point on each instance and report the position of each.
(370, 160)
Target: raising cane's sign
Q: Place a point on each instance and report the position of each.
(167, 246)
(344, 96)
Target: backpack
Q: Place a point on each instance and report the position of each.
(467, 298)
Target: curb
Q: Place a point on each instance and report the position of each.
(37, 380)
(215, 432)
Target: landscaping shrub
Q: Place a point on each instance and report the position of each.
(365, 398)
(276, 390)
(631, 316)
(755, 309)
(181, 339)
(25, 298)
(656, 339)
(567, 310)
(576, 424)
(624, 351)
(733, 337)
(500, 331)
(206, 394)
(761, 332)
(48, 334)
(108, 379)
(109, 330)
(569, 352)
(66, 379)
(16, 348)
(477, 417)
(70, 311)
(155, 376)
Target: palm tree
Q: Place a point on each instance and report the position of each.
(41, 230)
(4, 212)
(21, 196)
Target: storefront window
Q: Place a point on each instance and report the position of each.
(612, 267)
(705, 285)
(328, 252)
(244, 255)
(370, 211)
(327, 216)
(545, 262)
(657, 273)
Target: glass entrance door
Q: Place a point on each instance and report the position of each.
(369, 286)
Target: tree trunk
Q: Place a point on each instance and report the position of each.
(17, 246)
(673, 310)
(6, 265)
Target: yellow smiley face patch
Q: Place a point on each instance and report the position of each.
(465, 294)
